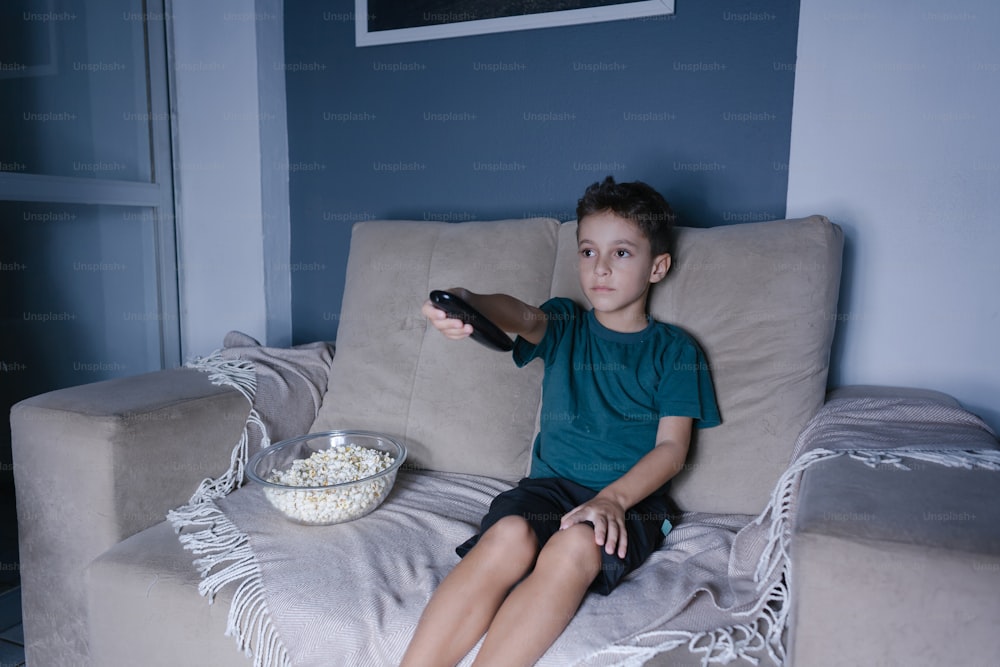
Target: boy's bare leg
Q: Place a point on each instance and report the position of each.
(465, 602)
(539, 609)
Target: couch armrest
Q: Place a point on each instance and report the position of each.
(895, 567)
(96, 463)
(878, 391)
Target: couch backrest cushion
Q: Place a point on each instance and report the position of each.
(761, 300)
(459, 406)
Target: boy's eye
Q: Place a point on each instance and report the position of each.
(622, 253)
(586, 252)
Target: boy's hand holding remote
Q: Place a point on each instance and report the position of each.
(620, 397)
(506, 312)
(454, 329)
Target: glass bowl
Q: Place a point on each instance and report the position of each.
(320, 501)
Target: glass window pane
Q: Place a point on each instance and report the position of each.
(73, 92)
(80, 300)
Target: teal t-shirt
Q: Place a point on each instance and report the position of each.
(604, 393)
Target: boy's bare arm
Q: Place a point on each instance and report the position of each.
(607, 510)
(673, 437)
(507, 312)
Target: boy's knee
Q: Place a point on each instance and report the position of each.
(513, 537)
(573, 548)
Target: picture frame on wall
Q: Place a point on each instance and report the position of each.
(391, 22)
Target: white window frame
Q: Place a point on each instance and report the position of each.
(157, 195)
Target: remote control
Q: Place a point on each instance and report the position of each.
(483, 331)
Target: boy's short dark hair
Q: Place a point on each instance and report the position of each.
(637, 202)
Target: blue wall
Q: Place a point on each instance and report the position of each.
(518, 124)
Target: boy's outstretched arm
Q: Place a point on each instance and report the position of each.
(507, 312)
(607, 510)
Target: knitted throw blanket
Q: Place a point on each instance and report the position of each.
(719, 588)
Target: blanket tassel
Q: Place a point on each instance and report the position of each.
(225, 553)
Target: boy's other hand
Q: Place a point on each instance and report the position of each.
(451, 327)
(608, 519)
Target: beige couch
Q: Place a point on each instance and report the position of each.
(106, 582)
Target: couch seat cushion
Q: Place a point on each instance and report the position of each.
(144, 607)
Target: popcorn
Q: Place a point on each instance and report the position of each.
(336, 465)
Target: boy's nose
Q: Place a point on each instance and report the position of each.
(601, 267)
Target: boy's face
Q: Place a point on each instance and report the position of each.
(616, 267)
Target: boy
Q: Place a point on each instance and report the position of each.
(620, 396)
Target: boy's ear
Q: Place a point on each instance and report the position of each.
(661, 264)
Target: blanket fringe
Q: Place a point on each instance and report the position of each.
(985, 459)
(240, 375)
(226, 558)
(224, 550)
(716, 647)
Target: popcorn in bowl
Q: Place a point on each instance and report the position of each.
(329, 477)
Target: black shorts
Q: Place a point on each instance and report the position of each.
(543, 502)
